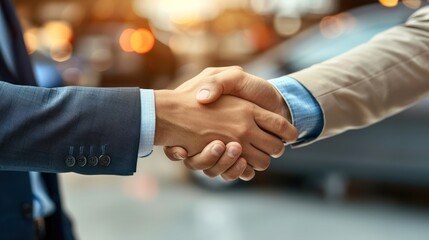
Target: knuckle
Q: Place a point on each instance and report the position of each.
(208, 70)
(238, 67)
(243, 133)
(189, 165)
(237, 73)
(211, 79)
(224, 164)
(280, 124)
(207, 162)
(249, 108)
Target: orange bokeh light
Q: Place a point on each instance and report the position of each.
(125, 40)
(139, 41)
(142, 41)
(388, 3)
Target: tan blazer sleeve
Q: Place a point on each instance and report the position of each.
(373, 81)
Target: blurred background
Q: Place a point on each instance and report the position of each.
(366, 184)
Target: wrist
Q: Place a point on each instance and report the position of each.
(164, 105)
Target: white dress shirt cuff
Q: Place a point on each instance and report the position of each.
(148, 122)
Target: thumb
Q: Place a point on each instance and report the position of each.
(209, 93)
(175, 153)
(225, 82)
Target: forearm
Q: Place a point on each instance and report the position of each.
(373, 81)
(41, 127)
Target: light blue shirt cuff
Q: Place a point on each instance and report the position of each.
(42, 203)
(306, 113)
(148, 122)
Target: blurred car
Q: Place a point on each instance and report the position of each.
(393, 150)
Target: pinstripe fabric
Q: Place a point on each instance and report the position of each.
(40, 127)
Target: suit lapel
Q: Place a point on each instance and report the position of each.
(22, 62)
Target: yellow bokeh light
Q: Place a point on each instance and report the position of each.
(31, 40)
(389, 3)
(142, 41)
(56, 33)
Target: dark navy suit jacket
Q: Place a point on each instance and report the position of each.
(71, 129)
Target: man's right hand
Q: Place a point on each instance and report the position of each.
(234, 81)
(180, 120)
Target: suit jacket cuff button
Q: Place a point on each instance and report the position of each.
(104, 160)
(70, 161)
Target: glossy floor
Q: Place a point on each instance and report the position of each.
(159, 203)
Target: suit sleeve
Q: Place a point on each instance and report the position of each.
(373, 81)
(71, 129)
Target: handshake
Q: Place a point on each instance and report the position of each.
(225, 122)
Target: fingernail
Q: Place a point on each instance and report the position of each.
(216, 150)
(232, 152)
(178, 156)
(203, 94)
(278, 154)
(246, 179)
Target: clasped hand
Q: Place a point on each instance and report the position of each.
(223, 106)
